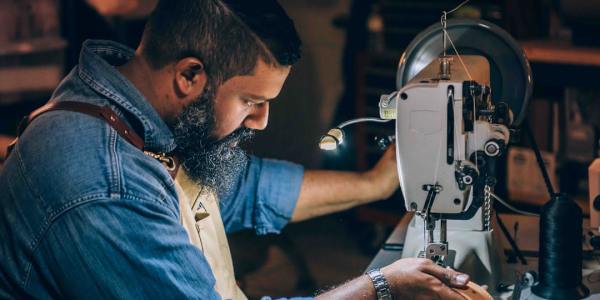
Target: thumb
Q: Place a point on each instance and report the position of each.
(449, 276)
(457, 279)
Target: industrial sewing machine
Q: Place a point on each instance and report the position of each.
(452, 120)
(460, 85)
(463, 86)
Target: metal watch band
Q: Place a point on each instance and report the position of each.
(382, 288)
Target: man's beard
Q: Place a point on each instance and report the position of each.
(216, 163)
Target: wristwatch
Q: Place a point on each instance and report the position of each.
(382, 288)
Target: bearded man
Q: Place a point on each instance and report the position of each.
(90, 208)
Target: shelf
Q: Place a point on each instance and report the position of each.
(556, 52)
(29, 46)
(29, 78)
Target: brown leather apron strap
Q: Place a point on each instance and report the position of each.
(100, 112)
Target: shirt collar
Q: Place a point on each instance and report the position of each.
(97, 63)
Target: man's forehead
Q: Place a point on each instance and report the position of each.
(265, 82)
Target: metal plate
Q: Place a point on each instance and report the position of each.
(511, 79)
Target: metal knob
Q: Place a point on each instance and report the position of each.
(492, 148)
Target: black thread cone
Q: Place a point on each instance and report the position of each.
(560, 251)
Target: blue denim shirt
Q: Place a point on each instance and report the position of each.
(84, 214)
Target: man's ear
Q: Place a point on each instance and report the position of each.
(190, 78)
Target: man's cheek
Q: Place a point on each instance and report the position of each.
(223, 129)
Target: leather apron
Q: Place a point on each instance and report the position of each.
(201, 218)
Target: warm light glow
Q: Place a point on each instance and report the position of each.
(327, 143)
(331, 140)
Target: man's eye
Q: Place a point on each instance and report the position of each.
(253, 103)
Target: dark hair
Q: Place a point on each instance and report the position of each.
(227, 35)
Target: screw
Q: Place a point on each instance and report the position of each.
(492, 148)
(413, 206)
(468, 179)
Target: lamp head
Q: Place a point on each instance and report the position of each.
(332, 139)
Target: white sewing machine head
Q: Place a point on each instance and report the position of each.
(452, 114)
(446, 126)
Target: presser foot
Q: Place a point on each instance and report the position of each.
(444, 260)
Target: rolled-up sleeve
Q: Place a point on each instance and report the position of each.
(264, 198)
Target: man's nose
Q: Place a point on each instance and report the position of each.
(259, 118)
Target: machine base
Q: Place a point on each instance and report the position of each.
(476, 253)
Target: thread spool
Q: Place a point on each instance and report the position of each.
(560, 250)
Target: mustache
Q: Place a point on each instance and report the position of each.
(234, 139)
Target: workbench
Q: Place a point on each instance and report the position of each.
(527, 240)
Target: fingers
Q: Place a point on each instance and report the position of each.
(388, 160)
(458, 280)
(447, 275)
(442, 291)
(391, 151)
(448, 293)
(412, 277)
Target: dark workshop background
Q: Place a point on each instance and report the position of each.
(348, 61)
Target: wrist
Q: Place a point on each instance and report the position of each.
(382, 287)
(380, 186)
(390, 279)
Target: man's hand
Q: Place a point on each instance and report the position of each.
(409, 278)
(384, 175)
(420, 278)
